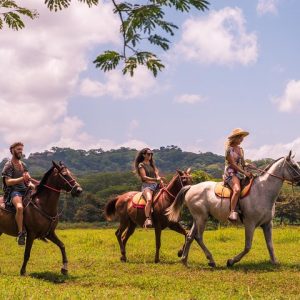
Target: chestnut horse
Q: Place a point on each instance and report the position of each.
(131, 216)
(40, 212)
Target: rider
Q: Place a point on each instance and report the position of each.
(235, 167)
(146, 169)
(16, 179)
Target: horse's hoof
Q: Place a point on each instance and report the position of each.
(212, 264)
(23, 273)
(156, 260)
(184, 262)
(180, 252)
(274, 262)
(230, 263)
(123, 259)
(64, 271)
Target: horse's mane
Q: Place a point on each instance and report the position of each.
(43, 181)
(272, 163)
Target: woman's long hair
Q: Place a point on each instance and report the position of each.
(231, 141)
(140, 158)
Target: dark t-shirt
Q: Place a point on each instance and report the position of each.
(11, 171)
(150, 172)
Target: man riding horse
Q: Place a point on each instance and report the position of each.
(16, 181)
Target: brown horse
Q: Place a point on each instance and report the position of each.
(40, 212)
(130, 215)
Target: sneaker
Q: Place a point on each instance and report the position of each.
(148, 223)
(21, 238)
(233, 217)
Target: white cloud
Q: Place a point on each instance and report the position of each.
(189, 99)
(290, 100)
(220, 38)
(267, 6)
(275, 150)
(119, 86)
(40, 68)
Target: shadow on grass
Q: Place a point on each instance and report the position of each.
(265, 266)
(52, 277)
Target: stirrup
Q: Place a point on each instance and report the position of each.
(21, 239)
(148, 223)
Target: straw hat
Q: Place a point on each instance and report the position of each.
(237, 132)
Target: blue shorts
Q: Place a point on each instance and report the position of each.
(14, 194)
(151, 186)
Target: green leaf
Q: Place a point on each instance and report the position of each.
(61, 4)
(13, 20)
(108, 60)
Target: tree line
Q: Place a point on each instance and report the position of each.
(106, 174)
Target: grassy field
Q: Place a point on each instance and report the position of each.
(97, 273)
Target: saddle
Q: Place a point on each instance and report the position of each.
(11, 208)
(222, 190)
(139, 200)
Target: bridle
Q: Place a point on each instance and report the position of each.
(290, 167)
(64, 179)
(165, 188)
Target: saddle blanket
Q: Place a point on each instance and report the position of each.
(225, 192)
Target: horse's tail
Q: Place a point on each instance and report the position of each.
(110, 209)
(173, 212)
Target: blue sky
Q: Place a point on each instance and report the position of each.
(235, 65)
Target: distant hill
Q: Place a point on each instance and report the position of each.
(167, 159)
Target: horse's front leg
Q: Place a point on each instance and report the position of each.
(267, 229)
(249, 232)
(29, 242)
(157, 241)
(53, 238)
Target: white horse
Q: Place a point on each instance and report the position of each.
(257, 208)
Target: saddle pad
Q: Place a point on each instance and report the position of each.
(8, 208)
(225, 192)
(138, 200)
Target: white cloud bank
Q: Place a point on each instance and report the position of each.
(40, 68)
(290, 100)
(219, 38)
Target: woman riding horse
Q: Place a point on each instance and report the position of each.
(235, 168)
(147, 171)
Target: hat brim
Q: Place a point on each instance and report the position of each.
(242, 133)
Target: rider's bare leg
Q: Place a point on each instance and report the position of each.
(148, 195)
(17, 202)
(236, 190)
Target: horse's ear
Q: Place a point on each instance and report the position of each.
(179, 172)
(188, 171)
(56, 165)
(289, 156)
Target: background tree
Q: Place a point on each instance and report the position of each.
(143, 24)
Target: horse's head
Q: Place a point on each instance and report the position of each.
(185, 177)
(65, 179)
(291, 169)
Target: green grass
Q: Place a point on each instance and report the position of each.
(97, 273)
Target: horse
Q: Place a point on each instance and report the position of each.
(130, 215)
(257, 208)
(40, 212)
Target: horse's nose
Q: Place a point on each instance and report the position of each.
(79, 190)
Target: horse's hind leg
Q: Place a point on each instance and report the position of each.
(130, 230)
(188, 241)
(29, 242)
(157, 241)
(119, 233)
(199, 239)
(249, 231)
(178, 228)
(267, 228)
(53, 238)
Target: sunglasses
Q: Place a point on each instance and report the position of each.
(149, 153)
